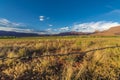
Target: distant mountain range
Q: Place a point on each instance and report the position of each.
(113, 31)
(73, 33)
(110, 32)
(17, 34)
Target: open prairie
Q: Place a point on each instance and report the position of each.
(60, 58)
(59, 39)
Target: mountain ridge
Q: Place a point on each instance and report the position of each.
(113, 31)
(16, 34)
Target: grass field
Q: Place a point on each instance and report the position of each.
(26, 58)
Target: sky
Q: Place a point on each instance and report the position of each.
(55, 16)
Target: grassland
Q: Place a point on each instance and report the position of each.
(24, 58)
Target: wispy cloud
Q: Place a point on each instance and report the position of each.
(16, 29)
(113, 15)
(110, 6)
(63, 29)
(57, 30)
(92, 26)
(86, 27)
(50, 25)
(115, 11)
(7, 25)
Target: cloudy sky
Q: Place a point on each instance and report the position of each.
(54, 16)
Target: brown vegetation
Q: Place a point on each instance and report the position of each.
(96, 65)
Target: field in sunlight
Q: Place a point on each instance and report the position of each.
(60, 58)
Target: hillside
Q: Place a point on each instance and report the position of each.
(110, 32)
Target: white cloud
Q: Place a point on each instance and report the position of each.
(57, 30)
(92, 26)
(6, 23)
(50, 25)
(86, 27)
(52, 31)
(49, 29)
(63, 29)
(42, 18)
(15, 29)
(21, 30)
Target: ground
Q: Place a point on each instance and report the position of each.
(60, 58)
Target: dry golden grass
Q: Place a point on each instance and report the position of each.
(95, 65)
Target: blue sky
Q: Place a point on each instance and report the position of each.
(53, 16)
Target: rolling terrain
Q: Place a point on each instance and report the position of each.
(56, 58)
(113, 31)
